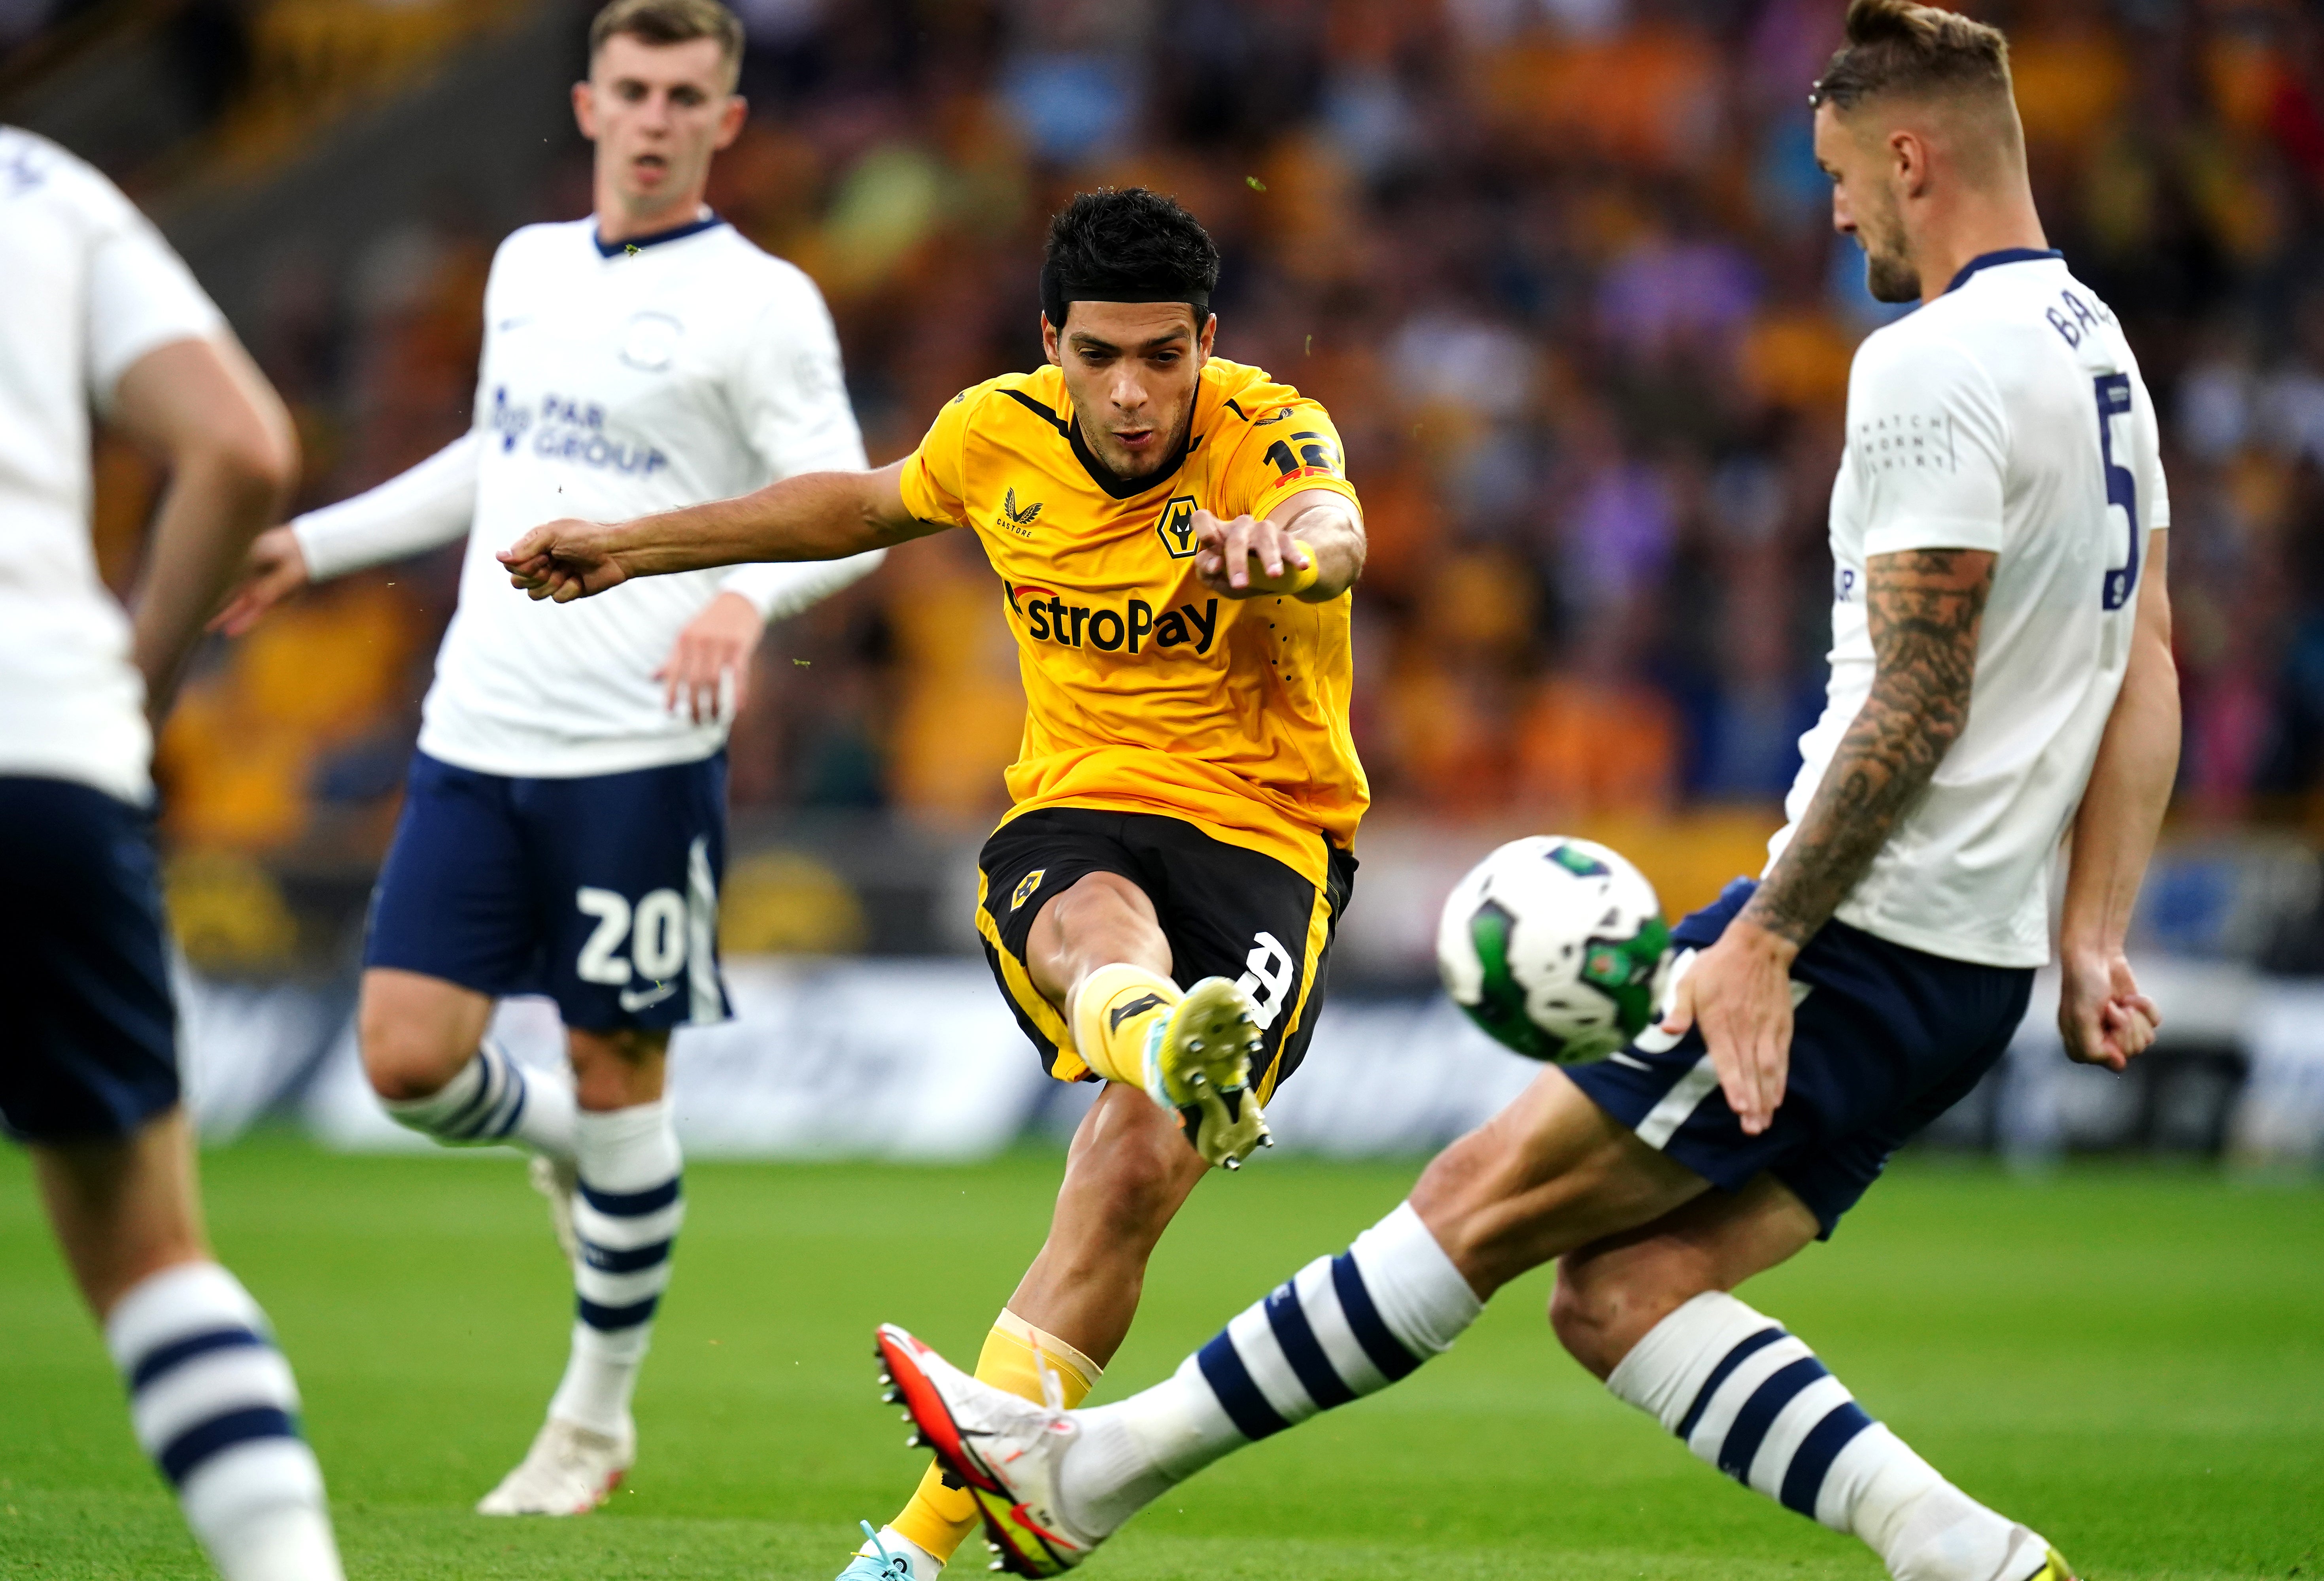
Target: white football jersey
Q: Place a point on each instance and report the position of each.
(615, 382)
(2007, 415)
(89, 287)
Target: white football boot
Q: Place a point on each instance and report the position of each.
(558, 1178)
(568, 1471)
(1198, 1065)
(1005, 1450)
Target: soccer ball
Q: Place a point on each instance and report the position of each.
(1556, 947)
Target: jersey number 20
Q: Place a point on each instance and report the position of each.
(2122, 489)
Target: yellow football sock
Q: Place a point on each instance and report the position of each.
(1111, 1013)
(940, 1517)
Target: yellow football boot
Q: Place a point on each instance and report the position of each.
(1198, 1063)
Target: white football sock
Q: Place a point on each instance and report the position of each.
(215, 1405)
(1343, 1327)
(626, 1213)
(495, 1099)
(1755, 1403)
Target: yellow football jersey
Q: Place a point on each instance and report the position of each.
(1146, 691)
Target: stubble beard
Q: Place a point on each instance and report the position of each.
(1183, 426)
(1889, 273)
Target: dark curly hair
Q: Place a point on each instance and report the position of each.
(1127, 244)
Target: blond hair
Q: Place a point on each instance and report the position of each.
(671, 22)
(1896, 47)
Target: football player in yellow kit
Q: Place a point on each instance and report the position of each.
(1176, 540)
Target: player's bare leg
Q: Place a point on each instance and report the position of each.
(1127, 1174)
(1612, 1292)
(1102, 919)
(213, 1403)
(427, 1055)
(623, 1205)
(1550, 1173)
(124, 1210)
(1647, 1257)
(416, 1033)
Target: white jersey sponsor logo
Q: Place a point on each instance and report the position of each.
(614, 383)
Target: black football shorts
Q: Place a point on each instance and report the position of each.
(1227, 912)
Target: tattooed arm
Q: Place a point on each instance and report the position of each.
(1923, 608)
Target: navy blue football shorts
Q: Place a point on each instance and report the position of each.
(1886, 1039)
(600, 891)
(88, 1045)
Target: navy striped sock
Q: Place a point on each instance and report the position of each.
(627, 1215)
(214, 1406)
(1754, 1401)
(486, 1102)
(1747, 1397)
(1342, 1328)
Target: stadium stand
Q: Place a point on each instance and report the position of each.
(1562, 270)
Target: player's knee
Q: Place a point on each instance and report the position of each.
(1101, 919)
(404, 1062)
(1141, 1196)
(618, 1069)
(1134, 1191)
(1582, 1313)
(1604, 1305)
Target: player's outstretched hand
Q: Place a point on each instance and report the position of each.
(709, 666)
(1740, 993)
(1248, 558)
(272, 568)
(2101, 1015)
(564, 560)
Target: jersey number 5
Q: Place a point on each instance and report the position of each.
(2121, 488)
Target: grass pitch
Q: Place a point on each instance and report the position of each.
(2132, 1360)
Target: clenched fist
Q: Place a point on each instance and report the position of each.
(564, 560)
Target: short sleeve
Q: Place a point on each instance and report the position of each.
(793, 394)
(140, 297)
(1287, 451)
(933, 483)
(1929, 442)
(2154, 490)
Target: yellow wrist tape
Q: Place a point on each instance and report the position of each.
(1295, 579)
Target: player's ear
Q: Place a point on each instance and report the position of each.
(731, 119)
(1049, 340)
(1908, 162)
(584, 109)
(1210, 333)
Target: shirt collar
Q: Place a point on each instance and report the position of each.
(628, 244)
(1993, 260)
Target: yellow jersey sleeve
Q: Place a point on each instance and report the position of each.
(932, 479)
(1290, 449)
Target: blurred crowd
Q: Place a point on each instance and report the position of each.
(1562, 271)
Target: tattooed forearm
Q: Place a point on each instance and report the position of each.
(1923, 608)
